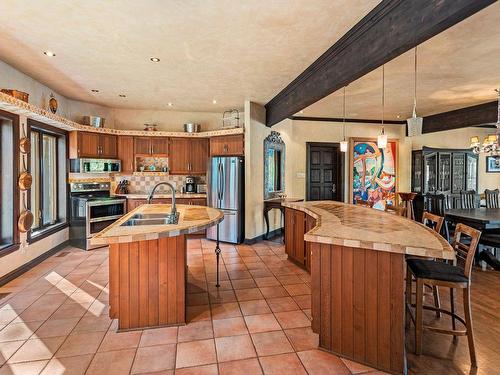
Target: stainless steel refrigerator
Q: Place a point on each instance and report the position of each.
(226, 192)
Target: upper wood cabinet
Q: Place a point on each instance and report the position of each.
(92, 145)
(151, 146)
(126, 153)
(227, 145)
(188, 155)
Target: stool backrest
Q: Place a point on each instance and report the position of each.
(468, 199)
(465, 250)
(398, 210)
(433, 221)
(362, 202)
(491, 197)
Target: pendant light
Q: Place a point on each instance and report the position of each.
(414, 122)
(382, 137)
(491, 143)
(343, 144)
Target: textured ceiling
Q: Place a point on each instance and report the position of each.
(212, 49)
(457, 68)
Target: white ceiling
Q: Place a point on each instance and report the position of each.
(457, 68)
(212, 49)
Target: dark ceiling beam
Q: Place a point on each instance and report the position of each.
(477, 115)
(347, 120)
(390, 29)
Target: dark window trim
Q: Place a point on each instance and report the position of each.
(59, 225)
(15, 172)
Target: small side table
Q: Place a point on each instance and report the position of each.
(276, 203)
(407, 202)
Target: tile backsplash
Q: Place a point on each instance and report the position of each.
(143, 183)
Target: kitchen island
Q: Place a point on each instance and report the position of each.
(357, 276)
(147, 263)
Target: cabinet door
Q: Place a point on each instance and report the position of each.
(227, 145)
(289, 232)
(430, 173)
(126, 153)
(444, 171)
(416, 171)
(471, 172)
(108, 146)
(142, 145)
(179, 161)
(198, 201)
(134, 203)
(310, 224)
(458, 172)
(198, 156)
(182, 201)
(298, 236)
(88, 145)
(159, 145)
(162, 201)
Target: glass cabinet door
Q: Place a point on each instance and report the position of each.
(430, 173)
(471, 172)
(458, 172)
(416, 167)
(444, 171)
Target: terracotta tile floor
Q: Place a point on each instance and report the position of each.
(55, 319)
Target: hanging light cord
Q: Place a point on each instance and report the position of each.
(383, 97)
(343, 119)
(415, 88)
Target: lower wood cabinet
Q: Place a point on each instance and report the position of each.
(134, 203)
(297, 223)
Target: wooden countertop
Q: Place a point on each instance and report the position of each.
(162, 196)
(191, 219)
(362, 227)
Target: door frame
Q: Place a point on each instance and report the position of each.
(340, 162)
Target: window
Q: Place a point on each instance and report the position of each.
(48, 168)
(9, 201)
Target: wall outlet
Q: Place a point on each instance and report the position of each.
(301, 175)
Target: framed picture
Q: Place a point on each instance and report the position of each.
(493, 164)
(373, 172)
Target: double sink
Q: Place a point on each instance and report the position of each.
(152, 219)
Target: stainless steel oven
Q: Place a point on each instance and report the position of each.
(92, 210)
(95, 165)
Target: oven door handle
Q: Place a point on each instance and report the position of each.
(106, 202)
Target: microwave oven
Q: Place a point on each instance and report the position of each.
(95, 165)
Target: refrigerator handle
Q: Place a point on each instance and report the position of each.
(219, 167)
(222, 181)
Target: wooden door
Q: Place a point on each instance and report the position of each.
(227, 145)
(142, 145)
(159, 145)
(108, 146)
(126, 153)
(324, 172)
(179, 156)
(198, 152)
(88, 145)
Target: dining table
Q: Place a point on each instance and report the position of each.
(481, 218)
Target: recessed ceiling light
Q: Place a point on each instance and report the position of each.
(155, 59)
(49, 53)
(214, 101)
(94, 90)
(170, 104)
(122, 96)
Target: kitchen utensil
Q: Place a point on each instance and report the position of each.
(25, 180)
(150, 127)
(24, 143)
(95, 121)
(17, 94)
(192, 128)
(25, 221)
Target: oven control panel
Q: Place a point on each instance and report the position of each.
(81, 187)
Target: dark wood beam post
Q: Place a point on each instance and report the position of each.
(390, 29)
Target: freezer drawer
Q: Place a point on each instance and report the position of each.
(230, 229)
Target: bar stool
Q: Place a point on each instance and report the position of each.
(446, 275)
(397, 210)
(407, 201)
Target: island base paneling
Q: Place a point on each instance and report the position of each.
(147, 283)
(358, 304)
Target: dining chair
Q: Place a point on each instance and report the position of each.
(364, 203)
(397, 210)
(468, 199)
(491, 197)
(448, 276)
(437, 204)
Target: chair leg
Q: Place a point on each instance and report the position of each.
(453, 320)
(418, 316)
(437, 301)
(468, 321)
(408, 296)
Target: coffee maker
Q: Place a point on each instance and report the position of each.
(190, 186)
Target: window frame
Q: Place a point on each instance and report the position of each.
(15, 172)
(41, 128)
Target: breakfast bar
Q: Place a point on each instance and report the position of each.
(147, 263)
(357, 275)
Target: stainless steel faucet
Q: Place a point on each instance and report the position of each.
(150, 197)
